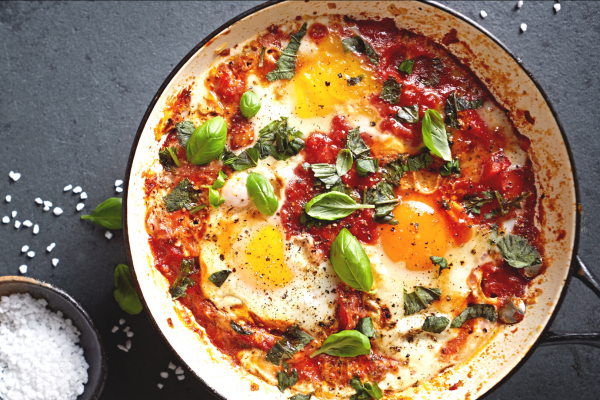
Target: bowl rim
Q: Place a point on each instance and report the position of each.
(31, 281)
(572, 268)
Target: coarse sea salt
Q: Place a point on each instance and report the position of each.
(24, 249)
(14, 214)
(83, 196)
(27, 223)
(8, 198)
(39, 200)
(15, 176)
(118, 182)
(79, 206)
(39, 355)
(57, 211)
(55, 261)
(50, 247)
(36, 229)
(523, 27)
(23, 270)
(172, 366)
(108, 235)
(67, 188)
(483, 14)
(17, 224)
(5, 219)
(77, 189)
(119, 190)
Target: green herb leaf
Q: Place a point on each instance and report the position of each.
(357, 44)
(286, 64)
(345, 344)
(473, 203)
(262, 194)
(182, 196)
(408, 114)
(168, 158)
(207, 142)
(356, 144)
(517, 252)
(108, 213)
(383, 197)
(247, 159)
(261, 60)
(197, 208)
(507, 205)
(184, 132)
(220, 181)
(285, 381)
(326, 173)
(219, 277)
(344, 162)
(365, 326)
(441, 262)
(279, 140)
(454, 104)
(249, 104)
(365, 166)
(420, 299)
(391, 90)
(407, 66)
(451, 167)
(350, 262)
(183, 282)
(292, 341)
(434, 135)
(239, 329)
(214, 198)
(435, 324)
(125, 293)
(353, 81)
(487, 311)
(301, 396)
(416, 163)
(433, 73)
(332, 205)
(373, 390)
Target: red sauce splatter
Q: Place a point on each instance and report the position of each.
(317, 31)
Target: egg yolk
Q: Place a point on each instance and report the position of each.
(321, 82)
(419, 235)
(265, 258)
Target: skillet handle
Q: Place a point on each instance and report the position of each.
(592, 338)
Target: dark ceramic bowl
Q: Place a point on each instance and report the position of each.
(90, 340)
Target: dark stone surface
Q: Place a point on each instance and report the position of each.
(75, 81)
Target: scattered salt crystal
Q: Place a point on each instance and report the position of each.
(128, 344)
(129, 334)
(67, 188)
(118, 182)
(523, 27)
(181, 377)
(5, 219)
(57, 211)
(47, 203)
(24, 249)
(164, 375)
(46, 208)
(108, 235)
(36, 229)
(519, 3)
(39, 201)
(179, 371)
(160, 385)
(8, 198)
(483, 14)
(50, 247)
(14, 214)
(15, 176)
(557, 7)
(55, 261)
(172, 366)
(79, 206)
(119, 190)
(121, 347)
(121, 321)
(77, 189)
(31, 254)
(114, 329)
(126, 329)
(83, 196)
(17, 224)
(27, 223)
(23, 269)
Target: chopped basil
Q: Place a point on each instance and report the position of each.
(249, 104)
(356, 144)
(326, 173)
(434, 135)
(420, 299)
(392, 172)
(441, 262)
(517, 252)
(292, 341)
(262, 57)
(109, 213)
(279, 140)
(365, 326)
(125, 294)
(286, 64)
(247, 159)
(507, 205)
(332, 205)
(214, 198)
(184, 131)
(344, 162)
(433, 73)
(262, 194)
(435, 324)
(353, 81)
(487, 311)
(309, 222)
(473, 203)
(451, 167)
(391, 90)
(199, 207)
(408, 114)
(207, 142)
(183, 282)
(407, 66)
(385, 200)
(182, 196)
(220, 181)
(366, 392)
(301, 396)
(219, 277)
(345, 344)
(168, 158)
(239, 329)
(350, 261)
(285, 381)
(365, 166)
(357, 44)
(454, 104)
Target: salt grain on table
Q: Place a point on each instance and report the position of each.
(24, 249)
(62, 371)
(8, 198)
(523, 27)
(67, 188)
(119, 189)
(483, 14)
(83, 196)
(17, 224)
(15, 176)
(79, 206)
(128, 344)
(5, 219)
(118, 182)
(160, 386)
(39, 201)
(57, 211)
(114, 329)
(47, 203)
(31, 254)
(23, 270)
(557, 7)
(121, 347)
(121, 321)
(172, 366)
(36, 229)
(179, 371)
(77, 190)
(181, 377)
(14, 214)
(50, 247)
(27, 223)
(108, 235)
(129, 334)
(164, 375)
(55, 261)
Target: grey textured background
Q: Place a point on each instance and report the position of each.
(75, 81)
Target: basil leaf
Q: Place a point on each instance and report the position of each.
(416, 163)
(214, 198)
(353, 81)
(365, 166)
(454, 104)
(357, 44)
(408, 114)
(168, 158)
(393, 171)
(434, 135)
(350, 262)
(344, 162)
(261, 192)
(383, 197)
(487, 311)
(365, 326)
(285, 381)
(184, 131)
(239, 329)
(432, 72)
(220, 181)
(451, 167)
(356, 144)
(108, 213)
(207, 142)
(407, 66)
(219, 277)
(507, 205)
(345, 344)
(286, 64)
(183, 282)
(473, 203)
(197, 208)
(279, 140)
(441, 262)
(247, 159)
(517, 252)
(292, 341)
(373, 390)
(332, 205)
(249, 104)
(262, 57)
(301, 396)
(326, 173)
(182, 196)
(435, 324)
(125, 293)
(420, 299)
(391, 90)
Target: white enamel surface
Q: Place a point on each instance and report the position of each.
(512, 88)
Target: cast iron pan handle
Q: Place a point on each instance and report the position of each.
(591, 339)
